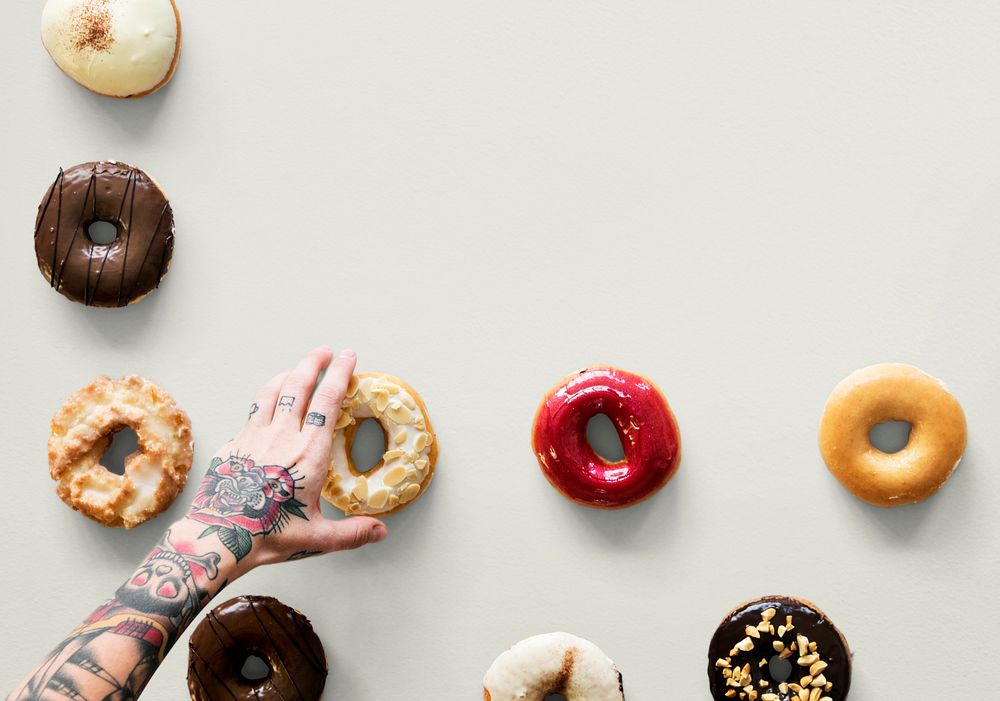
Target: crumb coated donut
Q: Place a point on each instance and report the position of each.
(892, 392)
(104, 275)
(82, 430)
(118, 48)
(553, 663)
(646, 427)
(410, 455)
(778, 648)
(264, 627)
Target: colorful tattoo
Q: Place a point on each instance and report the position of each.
(315, 419)
(286, 402)
(239, 499)
(114, 653)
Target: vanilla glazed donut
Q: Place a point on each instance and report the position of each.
(892, 392)
(82, 430)
(407, 464)
(813, 657)
(117, 48)
(553, 663)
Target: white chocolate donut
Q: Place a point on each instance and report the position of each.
(407, 464)
(118, 48)
(553, 663)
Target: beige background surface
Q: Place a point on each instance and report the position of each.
(744, 201)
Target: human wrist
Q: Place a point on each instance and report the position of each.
(197, 538)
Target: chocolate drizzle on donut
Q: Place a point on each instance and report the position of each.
(74, 264)
(260, 626)
(748, 638)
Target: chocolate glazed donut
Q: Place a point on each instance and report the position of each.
(95, 274)
(255, 626)
(813, 652)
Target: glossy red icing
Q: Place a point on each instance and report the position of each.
(646, 427)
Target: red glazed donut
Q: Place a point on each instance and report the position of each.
(646, 426)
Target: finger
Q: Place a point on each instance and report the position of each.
(350, 533)
(263, 405)
(325, 405)
(295, 390)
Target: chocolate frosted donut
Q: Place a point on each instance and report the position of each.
(777, 648)
(255, 626)
(104, 275)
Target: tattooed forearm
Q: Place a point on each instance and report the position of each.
(239, 499)
(315, 419)
(115, 651)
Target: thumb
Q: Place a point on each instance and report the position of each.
(352, 533)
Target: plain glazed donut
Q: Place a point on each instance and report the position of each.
(892, 392)
(82, 430)
(118, 48)
(741, 655)
(104, 275)
(410, 455)
(553, 663)
(646, 427)
(264, 627)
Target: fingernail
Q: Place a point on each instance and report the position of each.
(347, 353)
(379, 532)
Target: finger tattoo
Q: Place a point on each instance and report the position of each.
(254, 408)
(316, 419)
(286, 402)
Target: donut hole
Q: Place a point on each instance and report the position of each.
(779, 669)
(555, 697)
(102, 232)
(123, 444)
(368, 446)
(254, 668)
(890, 436)
(602, 435)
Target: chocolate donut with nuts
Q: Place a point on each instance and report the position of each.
(263, 627)
(778, 648)
(111, 274)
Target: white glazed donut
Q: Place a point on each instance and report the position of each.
(82, 430)
(553, 663)
(407, 464)
(118, 48)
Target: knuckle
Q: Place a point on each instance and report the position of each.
(359, 538)
(331, 394)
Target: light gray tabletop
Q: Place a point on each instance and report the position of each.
(743, 201)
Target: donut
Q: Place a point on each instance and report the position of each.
(257, 626)
(117, 48)
(646, 427)
(410, 455)
(892, 392)
(553, 663)
(82, 430)
(104, 275)
(777, 648)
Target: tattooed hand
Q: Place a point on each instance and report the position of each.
(260, 497)
(258, 503)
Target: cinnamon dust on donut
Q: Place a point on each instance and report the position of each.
(91, 26)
